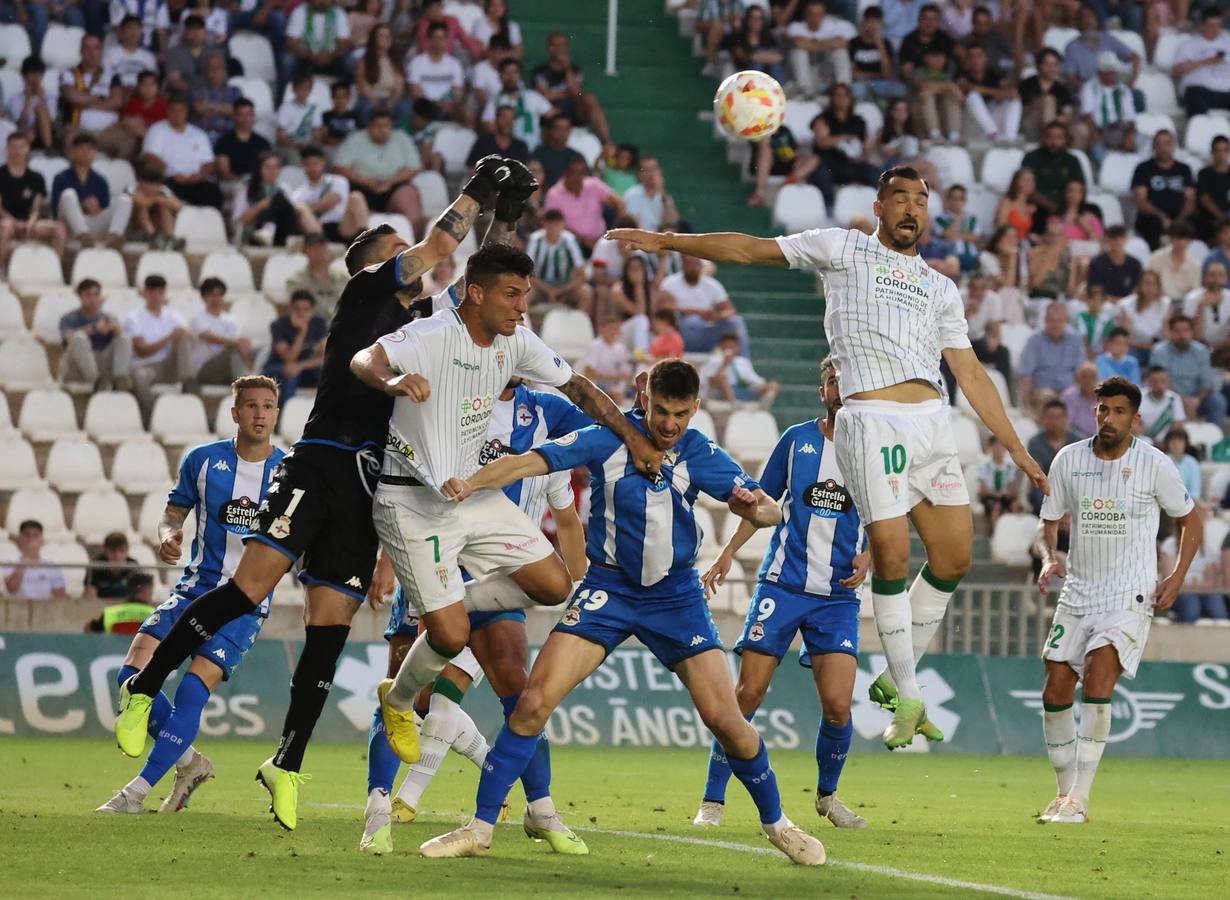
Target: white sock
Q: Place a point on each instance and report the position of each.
(1059, 729)
(185, 758)
(138, 786)
(437, 735)
(928, 603)
(469, 741)
(1090, 742)
(495, 594)
(892, 612)
(542, 808)
(774, 827)
(485, 830)
(420, 667)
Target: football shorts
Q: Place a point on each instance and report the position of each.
(403, 621)
(1074, 636)
(225, 649)
(776, 615)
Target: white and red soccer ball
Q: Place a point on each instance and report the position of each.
(750, 105)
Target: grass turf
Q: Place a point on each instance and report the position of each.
(1159, 829)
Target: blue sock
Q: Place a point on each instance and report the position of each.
(761, 782)
(382, 762)
(536, 779)
(159, 712)
(179, 731)
(719, 772)
(832, 747)
(506, 761)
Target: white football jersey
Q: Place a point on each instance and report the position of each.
(1114, 504)
(887, 315)
(441, 438)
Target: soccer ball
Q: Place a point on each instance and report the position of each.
(749, 105)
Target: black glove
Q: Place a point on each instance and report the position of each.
(491, 174)
(513, 195)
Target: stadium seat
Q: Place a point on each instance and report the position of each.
(170, 264)
(1203, 434)
(753, 551)
(587, 144)
(280, 268)
(104, 265)
(953, 164)
(799, 115)
(1198, 137)
(1216, 478)
(982, 202)
(1057, 38)
(1137, 247)
(100, 512)
(703, 422)
(1133, 41)
(319, 95)
(969, 442)
(152, 506)
(23, 364)
(48, 415)
(1159, 92)
(433, 192)
(258, 92)
(1112, 209)
(18, 467)
(870, 113)
(41, 503)
(708, 528)
(292, 418)
(178, 420)
(801, 206)
(751, 435)
(255, 55)
(1010, 541)
(140, 466)
(48, 166)
(14, 46)
(292, 178)
(254, 315)
(12, 316)
(999, 165)
(1025, 427)
(1086, 166)
(232, 267)
(74, 465)
(48, 310)
(568, 331)
(1168, 41)
(453, 143)
(119, 174)
(1215, 531)
(1150, 123)
(1117, 170)
(187, 303)
(853, 200)
(119, 302)
(61, 47)
(1198, 250)
(733, 595)
(399, 223)
(34, 267)
(6, 417)
(1001, 386)
(465, 13)
(202, 228)
(112, 417)
(73, 560)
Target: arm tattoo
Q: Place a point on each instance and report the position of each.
(595, 403)
(456, 224)
(174, 515)
(412, 267)
(500, 233)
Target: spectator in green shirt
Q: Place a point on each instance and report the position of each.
(379, 162)
(1053, 167)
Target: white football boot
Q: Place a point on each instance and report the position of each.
(710, 814)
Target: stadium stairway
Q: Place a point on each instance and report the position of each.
(657, 102)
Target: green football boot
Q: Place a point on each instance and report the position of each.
(283, 788)
(132, 723)
(909, 715)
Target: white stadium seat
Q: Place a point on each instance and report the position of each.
(1137, 247)
(48, 415)
(433, 193)
(140, 466)
(1159, 92)
(100, 512)
(14, 46)
(1057, 38)
(186, 302)
(201, 227)
(6, 417)
(254, 315)
(258, 92)
(170, 264)
(453, 143)
(753, 551)
(62, 47)
(152, 505)
(74, 559)
(18, 468)
(119, 302)
(1198, 138)
(1117, 170)
(179, 420)
(1025, 427)
(1010, 541)
(280, 268)
(23, 364)
(319, 95)
(751, 435)
(34, 267)
(703, 422)
(104, 265)
(119, 173)
(292, 418)
(799, 115)
(870, 113)
(1168, 41)
(733, 595)
(1133, 41)
(48, 166)
(852, 200)
(799, 207)
(981, 203)
(255, 55)
(999, 165)
(465, 13)
(74, 464)
(954, 165)
(40, 503)
(567, 331)
(12, 316)
(399, 223)
(50, 307)
(232, 267)
(291, 178)
(1203, 434)
(112, 417)
(588, 144)
(1112, 209)
(969, 443)
(1198, 250)
(224, 425)
(1150, 123)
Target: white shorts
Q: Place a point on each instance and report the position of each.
(1074, 636)
(429, 539)
(895, 455)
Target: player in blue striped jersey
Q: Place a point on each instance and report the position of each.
(222, 484)
(806, 584)
(642, 582)
(499, 647)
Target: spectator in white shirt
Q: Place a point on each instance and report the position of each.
(438, 76)
(819, 40)
(93, 97)
(1179, 271)
(1202, 66)
(648, 202)
(1108, 111)
(161, 342)
(220, 354)
(529, 105)
(705, 312)
(127, 58)
(342, 213)
(33, 108)
(1209, 307)
(607, 361)
(1160, 407)
(999, 483)
(32, 581)
(183, 154)
(317, 37)
(728, 375)
(300, 121)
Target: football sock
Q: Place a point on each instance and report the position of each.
(382, 762)
(138, 786)
(506, 761)
(422, 664)
(758, 777)
(196, 625)
(179, 730)
(719, 772)
(929, 598)
(1059, 729)
(536, 779)
(309, 689)
(162, 706)
(436, 736)
(832, 748)
(469, 741)
(1090, 742)
(893, 617)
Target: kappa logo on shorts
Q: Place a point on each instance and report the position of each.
(221, 654)
(354, 582)
(847, 645)
(698, 639)
(572, 615)
(756, 632)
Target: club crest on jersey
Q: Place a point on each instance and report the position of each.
(524, 417)
(499, 359)
(670, 457)
(565, 440)
(829, 499)
(279, 528)
(572, 615)
(756, 632)
(1127, 472)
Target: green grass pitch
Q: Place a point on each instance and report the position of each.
(1159, 829)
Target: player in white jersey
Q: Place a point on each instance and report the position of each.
(445, 373)
(889, 318)
(1113, 486)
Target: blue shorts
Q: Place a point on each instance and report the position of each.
(607, 610)
(776, 615)
(225, 649)
(403, 622)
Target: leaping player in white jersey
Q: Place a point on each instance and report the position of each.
(889, 318)
(1113, 486)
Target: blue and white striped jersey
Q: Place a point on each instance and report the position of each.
(521, 423)
(224, 493)
(814, 547)
(646, 528)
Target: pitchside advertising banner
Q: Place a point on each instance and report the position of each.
(65, 684)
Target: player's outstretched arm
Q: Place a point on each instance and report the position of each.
(496, 475)
(1191, 535)
(371, 366)
(984, 397)
(719, 246)
(594, 402)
